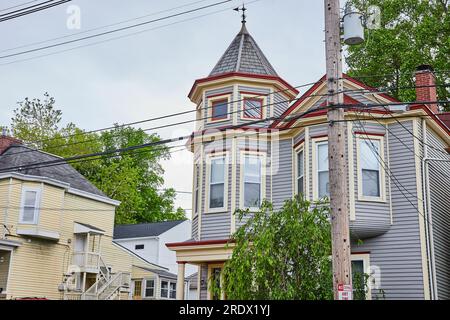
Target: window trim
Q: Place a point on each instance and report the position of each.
(299, 148)
(37, 208)
(382, 178)
(214, 99)
(161, 280)
(263, 157)
(144, 288)
(315, 173)
(209, 158)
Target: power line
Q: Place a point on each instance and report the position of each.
(115, 30)
(26, 8)
(18, 5)
(101, 27)
(20, 14)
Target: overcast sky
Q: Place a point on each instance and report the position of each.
(149, 74)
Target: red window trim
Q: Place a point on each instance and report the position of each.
(212, 110)
(243, 109)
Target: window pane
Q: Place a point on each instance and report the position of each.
(28, 214)
(30, 198)
(324, 188)
(137, 288)
(173, 290)
(371, 183)
(164, 289)
(322, 157)
(300, 163)
(369, 153)
(252, 108)
(252, 194)
(217, 170)
(300, 185)
(220, 109)
(252, 169)
(216, 195)
(196, 200)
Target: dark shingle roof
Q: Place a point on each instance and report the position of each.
(19, 155)
(244, 55)
(123, 231)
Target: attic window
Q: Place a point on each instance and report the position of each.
(252, 108)
(139, 247)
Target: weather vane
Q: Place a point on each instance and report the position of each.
(243, 9)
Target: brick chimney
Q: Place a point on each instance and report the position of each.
(6, 141)
(426, 86)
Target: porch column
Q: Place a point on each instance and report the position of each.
(180, 280)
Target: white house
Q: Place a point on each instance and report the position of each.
(148, 240)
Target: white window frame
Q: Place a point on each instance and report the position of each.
(261, 97)
(380, 140)
(215, 98)
(262, 156)
(365, 258)
(315, 173)
(144, 288)
(38, 191)
(297, 150)
(168, 288)
(209, 158)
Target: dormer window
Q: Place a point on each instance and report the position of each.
(219, 110)
(252, 108)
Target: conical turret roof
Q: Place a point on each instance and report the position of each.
(244, 55)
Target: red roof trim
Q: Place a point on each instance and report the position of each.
(198, 243)
(365, 86)
(241, 74)
(432, 115)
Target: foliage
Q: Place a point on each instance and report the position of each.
(412, 32)
(134, 178)
(281, 254)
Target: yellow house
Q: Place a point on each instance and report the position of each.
(56, 232)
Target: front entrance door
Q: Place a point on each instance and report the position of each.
(137, 289)
(79, 249)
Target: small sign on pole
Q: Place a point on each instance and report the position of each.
(345, 292)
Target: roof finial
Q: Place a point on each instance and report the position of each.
(243, 9)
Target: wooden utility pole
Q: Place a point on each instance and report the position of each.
(337, 159)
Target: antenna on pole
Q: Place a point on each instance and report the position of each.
(243, 9)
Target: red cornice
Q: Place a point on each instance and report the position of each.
(198, 243)
(242, 74)
(432, 115)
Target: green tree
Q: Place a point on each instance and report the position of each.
(135, 178)
(412, 32)
(282, 254)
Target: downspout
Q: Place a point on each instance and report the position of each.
(428, 215)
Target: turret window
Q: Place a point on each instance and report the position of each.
(219, 109)
(252, 108)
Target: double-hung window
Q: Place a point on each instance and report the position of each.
(252, 183)
(369, 154)
(322, 188)
(173, 290)
(164, 289)
(30, 206)
(149, 288)
(217, 182)
(300, 172)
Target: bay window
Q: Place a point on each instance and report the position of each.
(30, 206)
(252, 180)
(217, 183)
(370, 173)
(219, 109)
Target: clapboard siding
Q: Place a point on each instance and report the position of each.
(282, 178)
(398, 252)
(280, 104)
(194, 234)
(439, 183)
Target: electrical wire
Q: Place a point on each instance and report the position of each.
(20, 14)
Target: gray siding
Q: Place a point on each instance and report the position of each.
(397, 252)
(194, 234)
(282, 177)
(439, 183)
(203, 279)
(280, 104)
